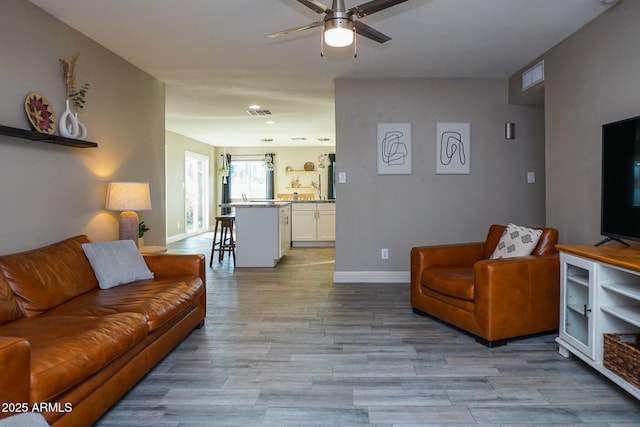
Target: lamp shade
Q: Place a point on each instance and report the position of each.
(128, 196)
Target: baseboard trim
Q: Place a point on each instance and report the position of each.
(313, 244)
(182, 236)
(176, 238)
(371, 277)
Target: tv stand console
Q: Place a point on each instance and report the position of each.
(599, 294)
(611, 239)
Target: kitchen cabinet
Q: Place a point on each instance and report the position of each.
(313, 224)
(284, 230)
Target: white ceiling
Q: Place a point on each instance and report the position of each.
(215, 60)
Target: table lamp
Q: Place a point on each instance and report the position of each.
(128, 197)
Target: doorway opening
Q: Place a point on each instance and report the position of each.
(196, 193)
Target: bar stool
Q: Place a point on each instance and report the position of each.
(226, 242)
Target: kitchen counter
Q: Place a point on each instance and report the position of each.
(313, 201)
(257, 204)
(267, 202)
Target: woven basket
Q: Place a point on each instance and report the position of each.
(622, 356)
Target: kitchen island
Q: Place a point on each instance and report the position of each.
(263, 232)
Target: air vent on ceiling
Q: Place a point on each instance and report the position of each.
(259, 112)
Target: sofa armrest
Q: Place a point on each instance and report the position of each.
(173, 265)
(15, 360)
(517, 295)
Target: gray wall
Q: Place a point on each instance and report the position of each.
(591, 78)
(401, 211)
(51, 192)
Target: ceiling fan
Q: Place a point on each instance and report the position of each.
(340, 27)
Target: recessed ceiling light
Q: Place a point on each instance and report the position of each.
(270, 122)
(323, 139)
(266, 140)
(298, 139)
(254, 107)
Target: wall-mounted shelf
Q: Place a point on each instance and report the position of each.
(41, 137)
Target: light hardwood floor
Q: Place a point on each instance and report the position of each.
(287, 347)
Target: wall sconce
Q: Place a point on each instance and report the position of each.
(128, 197)
(509, 131)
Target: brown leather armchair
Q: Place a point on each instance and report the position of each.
(493, 299)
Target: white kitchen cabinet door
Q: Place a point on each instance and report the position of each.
(326, 222)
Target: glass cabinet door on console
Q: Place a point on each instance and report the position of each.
(577, 299)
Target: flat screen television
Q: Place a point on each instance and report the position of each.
(620, 216)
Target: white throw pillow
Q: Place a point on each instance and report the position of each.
(116, 263)
(516, 241)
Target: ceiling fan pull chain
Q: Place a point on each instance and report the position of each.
(355, 43)
(322, 43)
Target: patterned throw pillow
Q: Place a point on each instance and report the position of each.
(516, 241)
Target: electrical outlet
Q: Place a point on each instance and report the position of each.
(384, 253)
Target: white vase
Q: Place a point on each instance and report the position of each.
(82, 129)
(68, 124)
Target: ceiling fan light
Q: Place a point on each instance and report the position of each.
(338, 32)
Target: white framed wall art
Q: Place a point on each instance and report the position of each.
(394, 148)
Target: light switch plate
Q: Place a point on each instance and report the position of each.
(531, 177)
(342, 177)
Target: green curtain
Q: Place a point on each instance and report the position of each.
(226, 188)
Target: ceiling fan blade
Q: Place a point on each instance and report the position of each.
(364, 30)
(314, 5)
(296, 29)
(372, 6)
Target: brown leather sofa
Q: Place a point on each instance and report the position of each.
(70, 349)
(493, 299)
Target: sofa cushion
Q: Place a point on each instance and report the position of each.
(456, 282)
(516, 241)
(45, 277)
(116, 263)
(159, 300)
(9, 309)
(66, 350)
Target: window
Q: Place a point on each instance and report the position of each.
(533, 76)
(248, 177)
